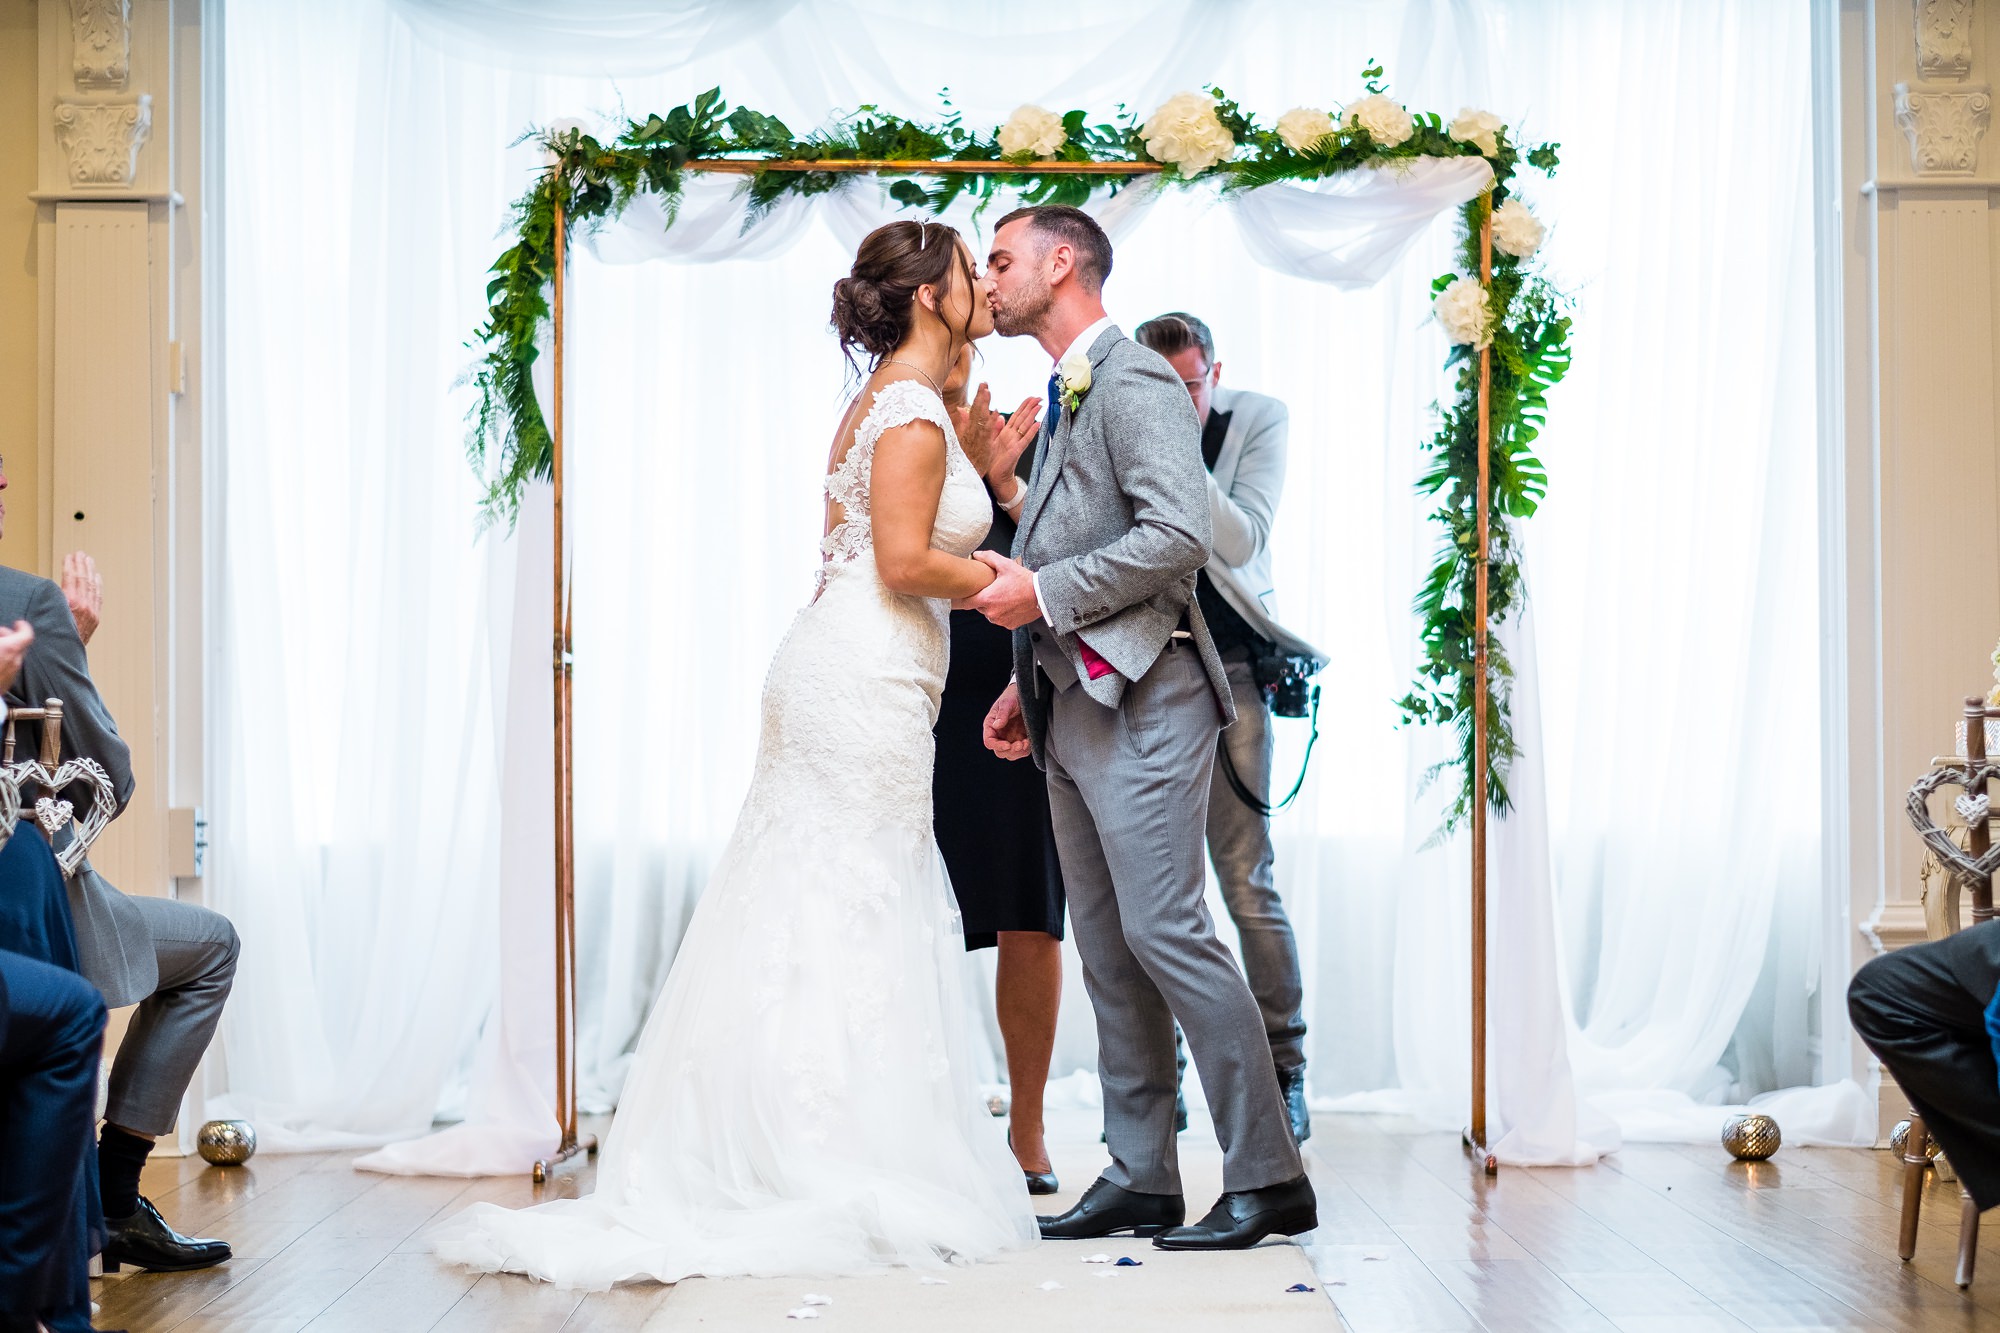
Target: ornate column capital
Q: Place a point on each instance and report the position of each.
(103, 36)
(1944, 127)
(103, 138)
(1944, 38)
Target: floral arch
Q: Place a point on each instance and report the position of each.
(1375, 170)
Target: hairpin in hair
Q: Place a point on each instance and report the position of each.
(923, 234)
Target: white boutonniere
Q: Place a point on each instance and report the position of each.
(1074, 375)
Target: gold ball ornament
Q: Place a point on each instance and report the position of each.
(1899, 1140)
(1751, 1138)
(226, 1142)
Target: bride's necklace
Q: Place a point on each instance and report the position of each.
(892, 361)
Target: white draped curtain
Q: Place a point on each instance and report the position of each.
(362, 645)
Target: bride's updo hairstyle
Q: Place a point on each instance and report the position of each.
(875, 304)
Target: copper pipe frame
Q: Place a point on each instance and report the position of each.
(571, 1146)
(1475, 1134)
(742, 166)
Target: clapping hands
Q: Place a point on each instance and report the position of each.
(14, 644)
(83, 589)
(995, 443)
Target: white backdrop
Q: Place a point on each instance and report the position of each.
(1672, 567)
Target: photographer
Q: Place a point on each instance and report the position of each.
(1243, 444)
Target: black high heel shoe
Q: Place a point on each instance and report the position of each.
(1039, 1182)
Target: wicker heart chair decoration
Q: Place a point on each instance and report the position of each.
(10, 806)
(1968, 868)
(54, 811)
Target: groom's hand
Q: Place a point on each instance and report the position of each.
(1009, 601)
(1006, 730)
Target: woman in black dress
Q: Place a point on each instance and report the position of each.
(992, 816)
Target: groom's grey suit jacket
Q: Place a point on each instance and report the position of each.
(112, 940)
(1115, 526)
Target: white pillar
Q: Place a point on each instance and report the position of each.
(118, 256)
(1910, 479)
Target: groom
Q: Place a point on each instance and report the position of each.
(1118, 694)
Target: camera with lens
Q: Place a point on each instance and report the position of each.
(1286, 682)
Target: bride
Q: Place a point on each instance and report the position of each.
(801, 1101)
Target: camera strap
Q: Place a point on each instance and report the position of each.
(1244, 794)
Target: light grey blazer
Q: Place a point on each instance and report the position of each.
(113, 943)
(1243, 492)
(1115, 526)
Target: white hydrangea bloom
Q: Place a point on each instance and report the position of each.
(1387, 122)
(1516, 230)
(1477, 128)
(1304, 126)
(1186, 133)
(1462, 313)
(1033, 130)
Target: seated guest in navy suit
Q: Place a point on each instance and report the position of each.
(1923, 1011)
(51, 1039)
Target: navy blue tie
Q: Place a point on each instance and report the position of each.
(1055, 407)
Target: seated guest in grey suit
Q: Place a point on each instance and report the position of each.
(1243, 445)
(1926, 1011)
(173, 959)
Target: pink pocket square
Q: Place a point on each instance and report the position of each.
(1095, 665)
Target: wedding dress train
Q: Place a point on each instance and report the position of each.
(801, 1102)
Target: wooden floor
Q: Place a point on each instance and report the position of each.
(1673, 1239)
(1655, 1239)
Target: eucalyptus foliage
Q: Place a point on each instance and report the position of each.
(592, 181)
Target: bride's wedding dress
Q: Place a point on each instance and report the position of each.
(801, 1101)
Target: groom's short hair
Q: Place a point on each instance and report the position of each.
(1060, 223)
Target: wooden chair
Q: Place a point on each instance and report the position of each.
(1916, 1147)
(50, 716)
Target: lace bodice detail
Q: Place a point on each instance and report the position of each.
(847, 485)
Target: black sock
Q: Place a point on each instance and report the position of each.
(120, 1158)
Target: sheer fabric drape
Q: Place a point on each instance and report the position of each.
(1671, 570)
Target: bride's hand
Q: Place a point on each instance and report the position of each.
(1010, 439)
(975, 423)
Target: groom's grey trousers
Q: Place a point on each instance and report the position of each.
(1128, 790)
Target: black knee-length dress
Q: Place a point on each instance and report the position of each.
(991, 814)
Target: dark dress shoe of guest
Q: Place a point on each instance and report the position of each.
(144, 1240)
(1292, 1084)
(1242, 1218)
(1106, 1210)
(1039, 1182)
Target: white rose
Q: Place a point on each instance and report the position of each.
(1387, 123)
(1304, 126)
(1032, 130)
(1186, 133)
(1074, 374)
(1462, 312)
(1516, 230)
(1476, 128)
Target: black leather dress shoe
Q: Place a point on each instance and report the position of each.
(1106, 1210)
(144, 1240)
(1292, 1084)
(1244, 1217)
(1039, 1182)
